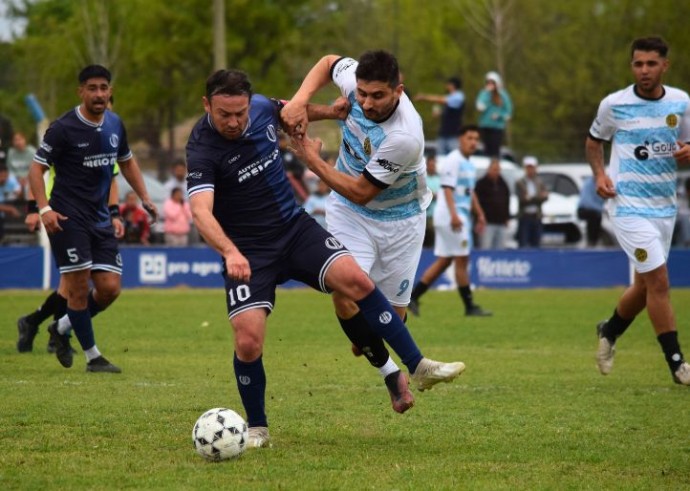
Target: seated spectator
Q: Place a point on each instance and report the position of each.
(19, 158)
(136, 220)
(316, 203)
(10, 190)
(178, 219)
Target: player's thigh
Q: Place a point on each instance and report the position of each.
(354, 232)
(104, 251)
(71, 247)
(258, 293)
(399, 246)
(645, 241)
(107, 285)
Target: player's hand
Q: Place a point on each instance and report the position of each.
(151, 210)
(682, 155)
(605, 187)
(51, 221)
(294, 118)
(456, 223)
(118, 227)
(32, 221)
(306, 149)
(342, 107)
(237, 267)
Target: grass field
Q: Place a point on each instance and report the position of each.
(530, 412)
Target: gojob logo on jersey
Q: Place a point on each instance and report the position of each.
(503, 270)
(655, 149)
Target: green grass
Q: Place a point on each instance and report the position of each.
(530, 412)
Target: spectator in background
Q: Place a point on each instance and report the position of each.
(10, 190)
(6, 133)
(136, 221)
(531, 193)
(451, 114)
(316, 202)
(433, 182)
(178, 177)
(590, 209)
(494, 197)
(177, 219)
(19, 158)
(495, 110)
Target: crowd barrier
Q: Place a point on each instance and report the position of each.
(200, 267)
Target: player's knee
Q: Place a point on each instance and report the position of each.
(345, 307)
(247, 347)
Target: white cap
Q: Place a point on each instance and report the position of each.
(530, 160)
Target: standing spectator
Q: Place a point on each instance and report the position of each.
(453, 223)
(9, 191)
(531, 193)
(648, 125)
(590, 209)
(451, 114)
(494, 197)
(136, 221)
(19, 158)
(495, 110)
(6, 132)
(433, 182)
(177, 219)
(316, 202)
(178, 178)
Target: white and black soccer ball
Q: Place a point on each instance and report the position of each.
(220, 434)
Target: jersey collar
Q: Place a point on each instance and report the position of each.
(86, 121)
(663, 93)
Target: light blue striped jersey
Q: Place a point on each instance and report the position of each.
(644, 135)
(389, 153)
(457, 172)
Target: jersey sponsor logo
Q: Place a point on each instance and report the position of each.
(351, 151)
(114, 140)
(46, 147)
(333, 243)
(83, 145)
(195, 175)
(672, 120)
(100, 160)
(385, 317)
(640, 255)
(391, 167)
(656, 149)
(271, 133)
(257, 167)
(343, 65)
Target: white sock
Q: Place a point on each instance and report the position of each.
(64, 325)
(388, 368)
(92, 353)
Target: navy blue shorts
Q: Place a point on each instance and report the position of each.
(79, 246)
(303, 254)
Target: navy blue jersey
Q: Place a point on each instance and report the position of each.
(253, 199)
(83, 155)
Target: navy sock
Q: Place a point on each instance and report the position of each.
(251, 384)
(82, 327)
(94, 308)
(44, 311)
(419, 290)
(383, 321)
(466, 295)
(671, 348)
(359, 333)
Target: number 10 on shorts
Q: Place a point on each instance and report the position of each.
(239, 294)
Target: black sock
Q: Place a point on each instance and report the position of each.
(419, 290)
(616, 326)
(44, 311)
(251, 384)
(671, 348)
(60, 307)
(359, 333)
(466, 295)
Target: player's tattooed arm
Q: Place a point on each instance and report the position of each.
(594, 150)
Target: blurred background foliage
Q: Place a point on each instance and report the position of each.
(558, 59)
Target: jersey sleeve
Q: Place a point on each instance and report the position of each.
(455, 100)
(200, 173)
(448, 172)
(123, 151)
(684, 135)
(51, 146)
(343, 75)
(392, 158)
(603, 127)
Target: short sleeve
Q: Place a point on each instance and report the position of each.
(684, 135)
(455, 100)
(603, 126)
(200, 172)
(51, 146)
(123, 151)
(448, 172)
(343, 75)
(391, 159)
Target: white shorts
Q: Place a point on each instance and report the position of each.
(388, 252)
(646, 241)
(452, 243)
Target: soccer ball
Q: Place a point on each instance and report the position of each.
(220, 434)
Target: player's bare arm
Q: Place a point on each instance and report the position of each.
(49, 217)
(479, 213)
(236, 264)
(682, 155)
(359, 189)
(594, 150)
(455, 220)
(130, 169)
(295, 112)
(114, 208)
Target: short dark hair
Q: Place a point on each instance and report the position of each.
(228, 82)
(649, 44)
(378, 66)
(455, 81)
(94, 71)
(468, 127)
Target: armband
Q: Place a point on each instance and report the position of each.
(114, 211)
(44, 210)
(31, 206)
